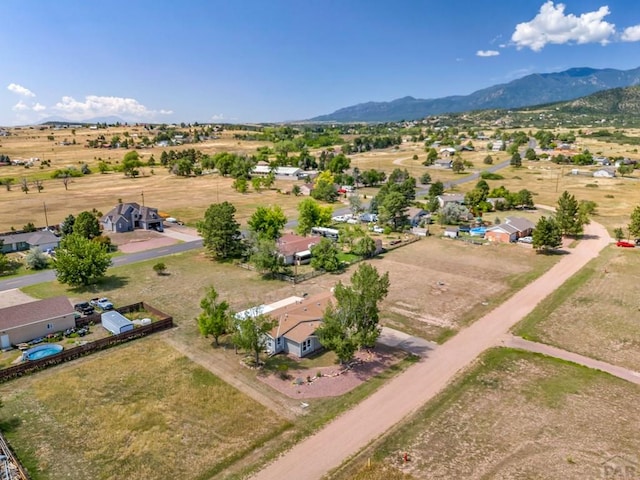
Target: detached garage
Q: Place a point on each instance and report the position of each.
(116, 323)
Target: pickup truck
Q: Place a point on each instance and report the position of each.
(102, 303)
(84, 308)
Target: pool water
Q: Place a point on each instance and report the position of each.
(42, 351)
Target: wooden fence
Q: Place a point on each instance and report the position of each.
(11, 468)
(165, 322)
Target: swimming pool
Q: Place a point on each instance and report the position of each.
(478, 231)
(41, 351)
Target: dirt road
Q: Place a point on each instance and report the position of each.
(620, 372)
(348, 434)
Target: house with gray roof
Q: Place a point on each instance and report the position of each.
(126, 217)
(18, 242)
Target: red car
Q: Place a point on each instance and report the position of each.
(622, 243)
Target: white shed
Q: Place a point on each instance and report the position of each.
(116, 323)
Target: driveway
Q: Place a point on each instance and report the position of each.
(406, 393)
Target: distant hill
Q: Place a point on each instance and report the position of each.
(110, 120)
(533, 89)
(614, 101)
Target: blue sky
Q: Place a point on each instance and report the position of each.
(279, 60)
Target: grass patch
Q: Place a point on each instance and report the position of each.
(527, 328)
(147, 410)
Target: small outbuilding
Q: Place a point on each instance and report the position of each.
(116, 323)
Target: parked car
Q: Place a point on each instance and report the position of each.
(526, 240)
(339, 219)
(377, 229)
(84, 308)
(625, 244)
(104, 304)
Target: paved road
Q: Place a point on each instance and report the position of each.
(620, 372)
(403, 395)
(49, 275)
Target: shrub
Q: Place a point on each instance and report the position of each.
(485, 175)
(591, 185)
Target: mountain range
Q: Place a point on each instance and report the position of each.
(534, 89)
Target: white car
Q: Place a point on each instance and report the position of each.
(526, 240)
(377, 229)
(339, 219)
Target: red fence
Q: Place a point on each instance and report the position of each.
(165, 322)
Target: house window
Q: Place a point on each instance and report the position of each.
(49, 326)
(279, 340)
(306, 344)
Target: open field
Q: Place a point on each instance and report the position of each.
(140, 411)
(514, 415)
(183, 198)
(595, 313)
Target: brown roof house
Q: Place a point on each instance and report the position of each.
(297, 320)
(295, 249)
(21, 323)
(126, 217)
(510, 230)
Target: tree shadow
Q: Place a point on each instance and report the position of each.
(108, 283)
(10, 424)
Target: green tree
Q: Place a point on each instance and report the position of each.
(36, 259)
(311, 214)
(365, 247)
(324, 256)
(240, 185)
(436, 188)
(131, 163)
(488, 160)
(250, 334)
(267, 222)
(457, 166)
(66, 227)
(425, 178)
(634, 224)
(160, 268)
(80, 261)
(393, 210)
(568, 215)
(220, 231)
(432, 156)
(354, 321)
(530, 154)
(618, 233)
(215, 318)
(516, 160)
(546, 235)
(87, 225)
(264, 256)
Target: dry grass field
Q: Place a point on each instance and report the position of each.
(142, 411)
(596, 312)
(514, 415)
(183, 198)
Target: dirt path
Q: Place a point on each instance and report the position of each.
(620, 372)
(348, 434)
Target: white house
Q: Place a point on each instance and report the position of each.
(605, 173)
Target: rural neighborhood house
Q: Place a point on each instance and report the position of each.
(126, 217)
(25, 322)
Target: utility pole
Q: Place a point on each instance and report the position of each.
(46, 220)
(142, 194)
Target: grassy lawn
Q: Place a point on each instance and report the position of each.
(139, 411)
(514, 415)
(595, 312)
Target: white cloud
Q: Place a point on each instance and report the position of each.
(97, 106)
(631, 34)
(20, 107)
(551, 25)
(38, 107)
(20, 90)
(487, 53)
(217, 117)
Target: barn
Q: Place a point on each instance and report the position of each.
(116, 323)
(28, 321)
